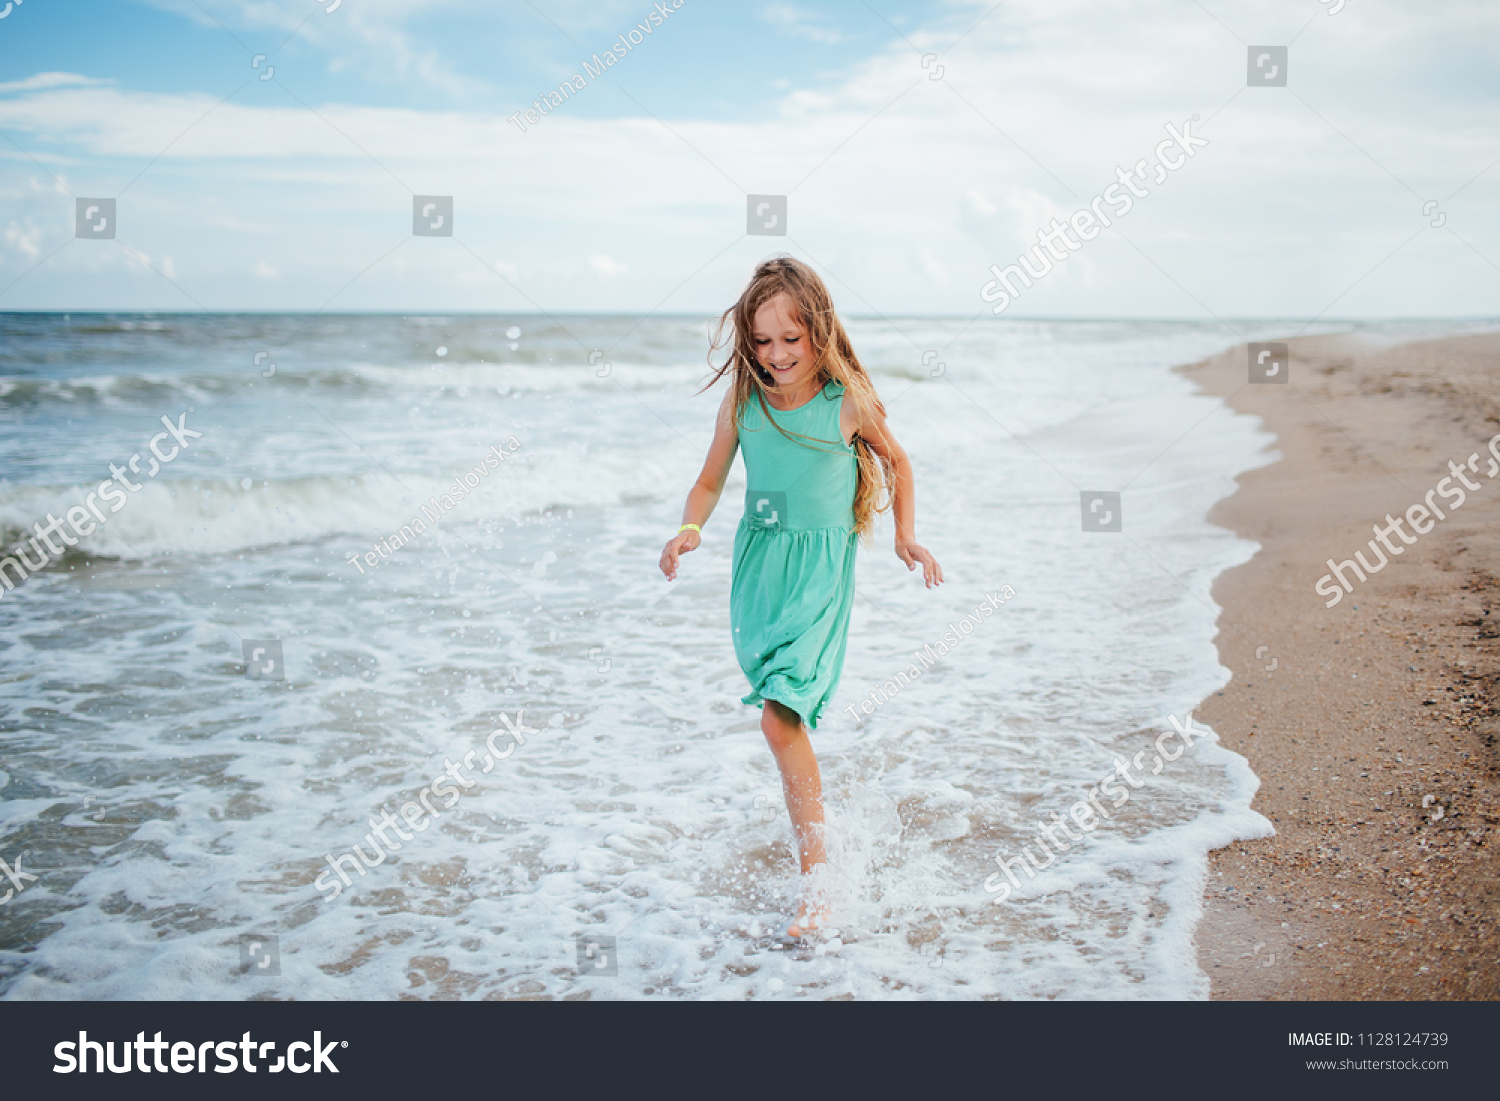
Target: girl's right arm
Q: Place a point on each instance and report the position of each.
(704, 495)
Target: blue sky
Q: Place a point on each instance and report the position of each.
(737, 59)
(918, 144)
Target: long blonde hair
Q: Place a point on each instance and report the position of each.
(812, 307)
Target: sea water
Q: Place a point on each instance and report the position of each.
(448, 530)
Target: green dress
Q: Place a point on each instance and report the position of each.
(793, 578)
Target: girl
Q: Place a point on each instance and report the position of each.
(818, 456)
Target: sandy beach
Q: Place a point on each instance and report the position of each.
(1372, 723)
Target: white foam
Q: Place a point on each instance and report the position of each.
(647, 806)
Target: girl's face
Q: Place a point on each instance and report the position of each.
(781, 345)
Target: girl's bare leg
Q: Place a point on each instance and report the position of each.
(803, 787)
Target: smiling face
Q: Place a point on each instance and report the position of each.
(781, 345)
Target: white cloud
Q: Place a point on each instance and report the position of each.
(26, 240)
(980, 203)
(933, 266)
(48, 80)
(372, 37)
(796, 23)
(891, 177)
(263, 270)
(1033, 211)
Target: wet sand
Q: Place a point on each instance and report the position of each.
(1372, 724)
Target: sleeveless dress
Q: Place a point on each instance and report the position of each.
(793, 576)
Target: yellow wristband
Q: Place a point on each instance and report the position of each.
(684, 528)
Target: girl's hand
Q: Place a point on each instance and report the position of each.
(912, 553)
(679, 545)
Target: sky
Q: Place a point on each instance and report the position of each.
(267, 154)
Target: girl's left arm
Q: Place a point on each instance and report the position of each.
(875, 432)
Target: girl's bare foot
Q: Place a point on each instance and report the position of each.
(813, 909)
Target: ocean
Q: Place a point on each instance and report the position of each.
(375, 562)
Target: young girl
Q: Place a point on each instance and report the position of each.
(818, 455)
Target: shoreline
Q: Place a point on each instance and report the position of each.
(1372, 724)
